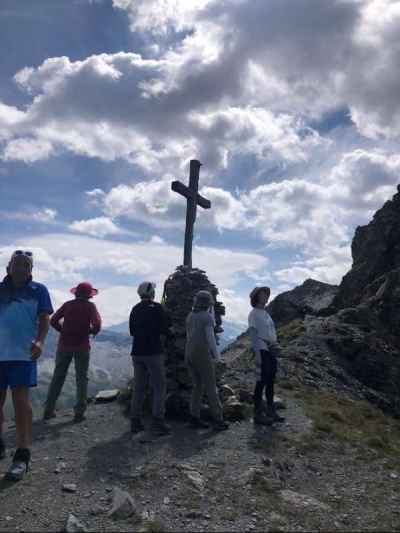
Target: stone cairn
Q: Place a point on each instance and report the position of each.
(179, 291)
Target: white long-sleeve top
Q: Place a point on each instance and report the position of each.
(261, 329)
(200, 333)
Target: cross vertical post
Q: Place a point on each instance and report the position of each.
(193, 199)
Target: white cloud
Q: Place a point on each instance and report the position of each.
(240, 78)
(150, 202)
(46, 215)
(97, 227)
(349, 59)
(27, 150)
(115, 303)
(329, 267)
(159, 16)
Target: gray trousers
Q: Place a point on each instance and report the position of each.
(63, 360)
(202, 369)
(145, 367)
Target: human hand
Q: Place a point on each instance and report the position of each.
(217, 356)
(36, 350)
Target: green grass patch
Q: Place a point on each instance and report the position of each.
(353, 421)
(291, 331)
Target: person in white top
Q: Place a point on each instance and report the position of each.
(266, 349)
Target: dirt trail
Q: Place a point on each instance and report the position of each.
(241, 479)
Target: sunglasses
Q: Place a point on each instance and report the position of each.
(27, 253)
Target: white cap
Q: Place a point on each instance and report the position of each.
(146, 288)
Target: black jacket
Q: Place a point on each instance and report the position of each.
(147, 322)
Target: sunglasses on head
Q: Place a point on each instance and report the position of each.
(27, 253)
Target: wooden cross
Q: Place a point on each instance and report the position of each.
(193, 199)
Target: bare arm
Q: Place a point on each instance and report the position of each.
(43, 329)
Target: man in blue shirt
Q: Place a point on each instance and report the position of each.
(25, 309)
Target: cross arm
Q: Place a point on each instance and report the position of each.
(180, 188)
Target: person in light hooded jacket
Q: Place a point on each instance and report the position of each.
(266, 350)
(201, 353)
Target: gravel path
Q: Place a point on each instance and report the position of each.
(239, 480)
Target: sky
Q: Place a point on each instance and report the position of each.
(291, 107)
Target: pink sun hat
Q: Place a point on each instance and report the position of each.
(85, 289)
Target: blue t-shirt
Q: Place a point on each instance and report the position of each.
(19, 312)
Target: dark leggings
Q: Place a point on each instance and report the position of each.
(268, 373)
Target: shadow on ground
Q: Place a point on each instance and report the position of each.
(123, 455)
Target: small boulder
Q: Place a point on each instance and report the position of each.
(196, 479)
(123, 505)
(107, 395)
(301, 501)
(234, 410)
(69, 487)
(226, 392)
(73, 525)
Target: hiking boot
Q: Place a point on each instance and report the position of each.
(2, 449)
(197, 423)
(159, 427)
(273, 415)
(220, 425)
(79, 418)
(48, 415)
(19, 466)
(260, 419)
(136, 426)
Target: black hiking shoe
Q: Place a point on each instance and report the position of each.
(197, 423)
(220, 425)
(48, 415)
(136, 426)
(160, 428)
(273, 415)
(2, 449)
(260, 419)
(19, 466)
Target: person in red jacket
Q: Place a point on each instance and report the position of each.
(80, 319)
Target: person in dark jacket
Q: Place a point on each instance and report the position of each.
(147, 323)
(80, 319)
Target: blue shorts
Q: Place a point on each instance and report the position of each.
(18, 374)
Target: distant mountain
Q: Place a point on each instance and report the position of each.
(231, 331)
(123, 327)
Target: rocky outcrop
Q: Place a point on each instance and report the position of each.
(309, 298)
(359, 329)
(376, 256)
